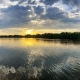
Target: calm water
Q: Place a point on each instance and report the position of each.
(39, 59)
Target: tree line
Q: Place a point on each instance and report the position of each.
(63, 35)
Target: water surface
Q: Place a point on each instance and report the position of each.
(39, 59)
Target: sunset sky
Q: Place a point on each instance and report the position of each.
(39, 16)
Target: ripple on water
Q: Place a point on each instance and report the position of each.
(39, 60)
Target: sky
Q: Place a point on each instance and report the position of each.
(39, 16)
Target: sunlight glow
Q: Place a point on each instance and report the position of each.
(29, 31)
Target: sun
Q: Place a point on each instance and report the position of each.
(29, 31)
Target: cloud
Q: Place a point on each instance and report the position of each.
(38, 10)
(46, 13)
(15, 15)
(49, 2)
(72, 2)
(7, 3)
(54, 13)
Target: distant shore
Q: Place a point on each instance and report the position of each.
(63, 35)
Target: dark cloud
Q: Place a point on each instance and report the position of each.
(53, 14)
(21, 1)
(72, 2)
(70, 20)
(31, 2)
(57, 14)
(24, 11)
(49, 2)
(38, 10)
(17, 15)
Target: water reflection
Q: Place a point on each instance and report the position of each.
(39, 59)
